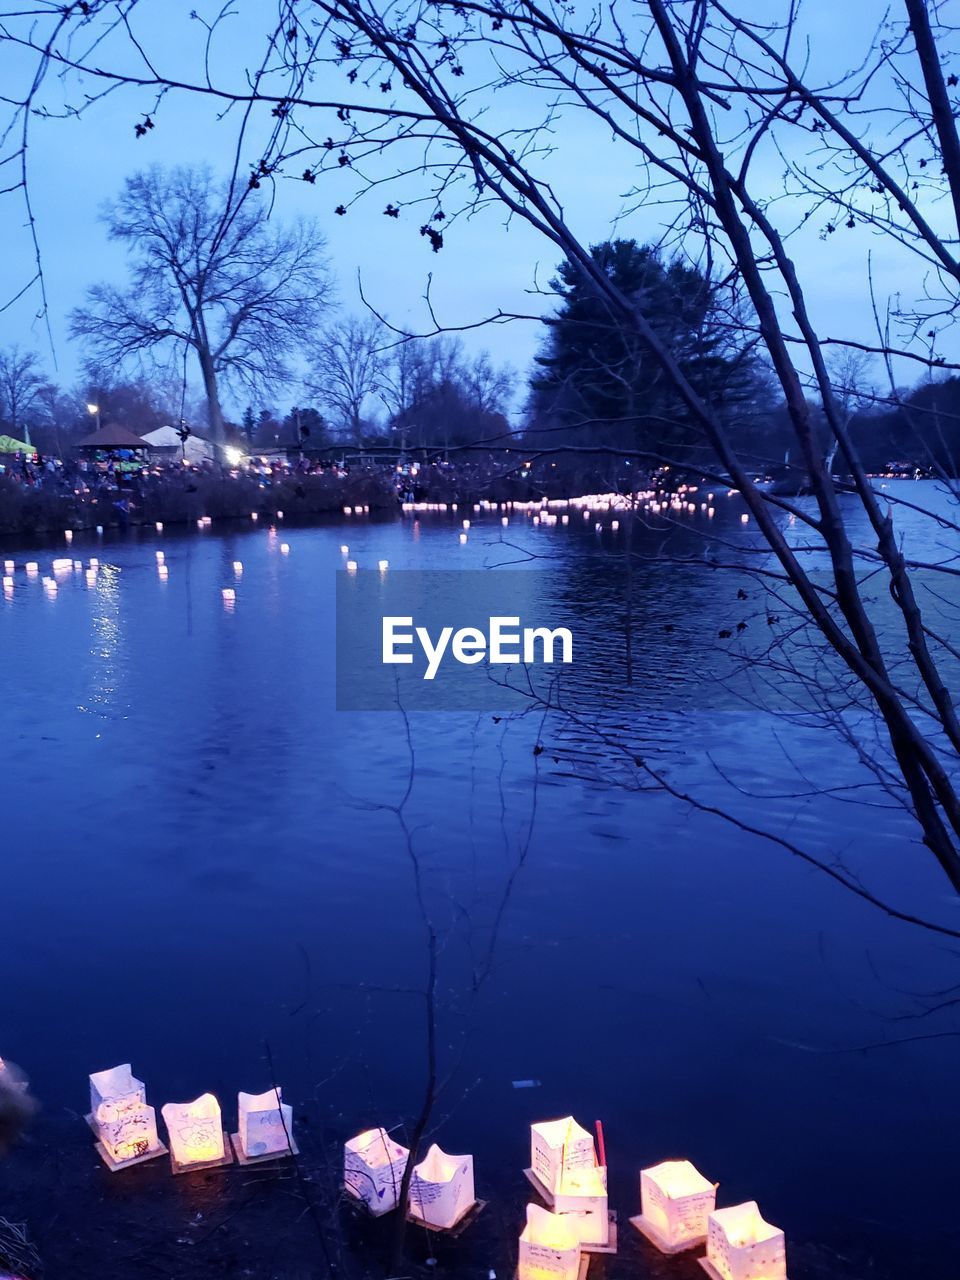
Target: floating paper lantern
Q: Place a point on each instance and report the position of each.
(100, 529)
(558, 1147)
(744, 519)
(279, 515)
(348, 511)
(91, 577)
(8, 581)
(549, 1247)
(159, 526)
(351, 566)
(504, 520)
(125, 1126)
(741, 1246)
(344, 549)
(441, 1189)
(8, 566)
(614, 525)
(238, 568)
(78, 565)
(284, 548)
(373, 1167)
(162, 572)
(68, 534)
(463, 538)
(581, 1195)
(160, 557)
(94, 563)
(229, 595)
(32, 568)
(253, 515)
(196, 1133)
(383, 565)
(265, 1126)
(675, 1203)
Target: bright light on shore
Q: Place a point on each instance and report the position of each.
(233, 455)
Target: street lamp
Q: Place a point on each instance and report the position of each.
(94, 409)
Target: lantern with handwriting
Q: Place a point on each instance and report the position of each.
(558, 1146)
(741, 1246)
(373, 1167)
(125, 1126)
(441, 1189)
(196, 1133)
(549, 1247)
(265, 1125)
(581, 1196)
(675, 1202)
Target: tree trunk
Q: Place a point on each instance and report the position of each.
(214, 412)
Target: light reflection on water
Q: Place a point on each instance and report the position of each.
(201, 853)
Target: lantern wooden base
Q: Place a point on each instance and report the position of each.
(268, 1157)
(711, 1270)
(197, 1166)
(541, 1188)
(116, 1165)
(660, 1241)
(466, 1219)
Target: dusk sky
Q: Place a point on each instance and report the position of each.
(74, 164)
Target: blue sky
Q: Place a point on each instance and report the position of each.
(74, 164)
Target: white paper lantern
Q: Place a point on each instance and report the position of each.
(581, 1196)
(265, 1124)
(195, 1130)
(549, 1247)
(675, 1203)
(373, 1167)
(741, 1246)
(125, 1126)
(557, 1146)
(441, 1189)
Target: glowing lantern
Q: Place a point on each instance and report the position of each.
(614, 525)
(441, 1189)
(159, 526)
(279, 515)
(463, 539)
(744, 519)
(741, 1246)
(68, 534)
(8, 581)
(91, 576)
(238, 568)
(8, 566)
(78, 565)
(549, 1247)
(284, 548)
(348, 511)
(94, 563)
(559, 1147)
(582, 1197)
(351, 566)
(196, 1133)
(162, 573)
(504, 520)
(265, 1126)
(373, 1166)
(125, 1126)
(383, 565)
(229, 595)
(344, 549)
(253, 515)
(675, 1202)
(160, 557)
(466, 524)
(100, 529)
(32, 569)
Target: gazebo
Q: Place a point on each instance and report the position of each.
(110, 439)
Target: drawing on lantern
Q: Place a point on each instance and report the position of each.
(742, 1246)
(373, 1168)
(126, 1127)
(549, 1247)
(265, 1126)
(196, 1133)
(441, 1189)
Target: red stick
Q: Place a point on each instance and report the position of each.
(600, 1144)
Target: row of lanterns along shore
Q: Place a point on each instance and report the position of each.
(677, 1205)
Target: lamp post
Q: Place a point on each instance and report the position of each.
(94, 411)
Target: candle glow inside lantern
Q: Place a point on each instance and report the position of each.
(549, 1247)
(196, 1133)
(265, 1126)
(581, 1196)
(675, 1202)
(125, 1126)
(373, 1167)
(741, 1246)
(441, 1189)
(559, 1147)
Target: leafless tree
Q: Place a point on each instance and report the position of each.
(209, 274)
(348, 366)
(22, 385)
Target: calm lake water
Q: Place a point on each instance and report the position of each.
(201, 856)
